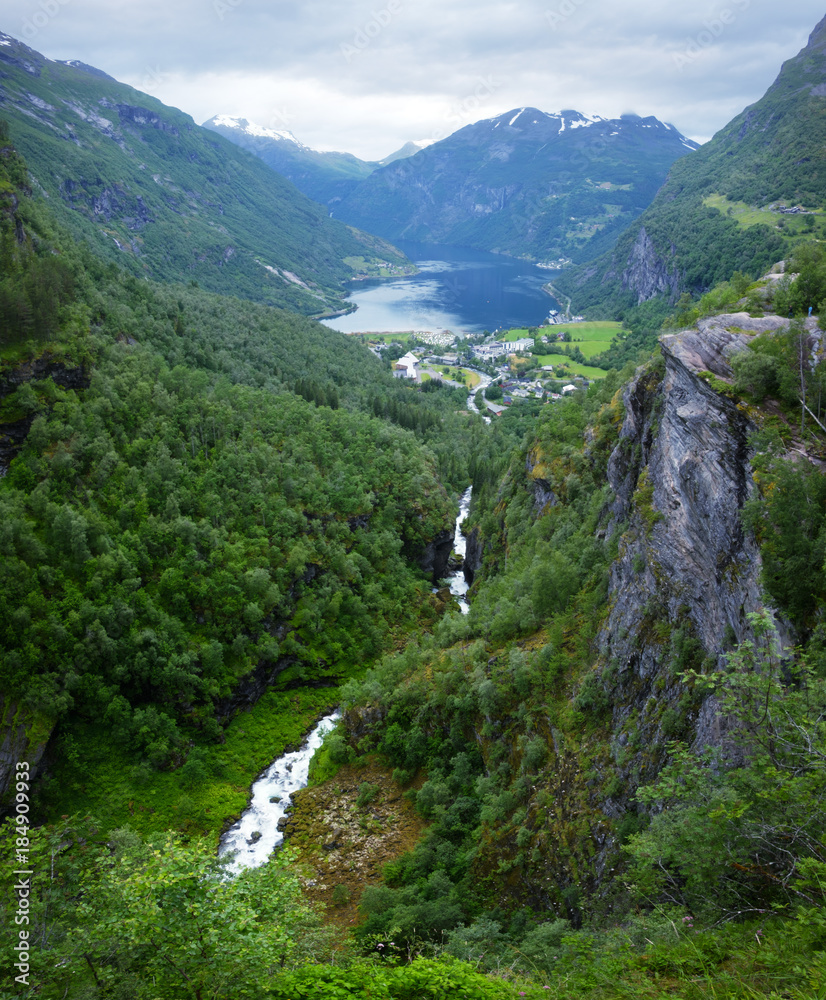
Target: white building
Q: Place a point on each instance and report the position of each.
(490, 351)
(406, 366)
(520, 345)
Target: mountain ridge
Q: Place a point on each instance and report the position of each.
(526, 182)
(326, 176)
(153, 191)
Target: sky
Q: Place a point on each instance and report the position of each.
(367, 76)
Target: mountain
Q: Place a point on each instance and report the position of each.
(526, 182)
(324, 177)
(609, 771)
(148, 188)
(736, 204)
(408, 149)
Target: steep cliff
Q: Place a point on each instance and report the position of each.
(687, 574)
(647, 271)
(612, 560)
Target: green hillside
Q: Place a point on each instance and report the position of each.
(721, 210)
(166, 199)
(526, 183)
(218, 519)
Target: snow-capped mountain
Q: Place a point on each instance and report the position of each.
(217, 122)
(324, 176)
(548, 184)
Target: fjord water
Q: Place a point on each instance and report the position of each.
(457, 289)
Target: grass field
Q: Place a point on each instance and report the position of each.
(471, 379)
(591, 338)
(575, 369)
(747, 216)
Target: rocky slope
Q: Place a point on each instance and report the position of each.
(344, 841)
(687, 574)
(685, 578)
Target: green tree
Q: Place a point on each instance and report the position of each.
(733, 824)
(169, 915)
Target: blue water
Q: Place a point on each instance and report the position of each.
(457, 289)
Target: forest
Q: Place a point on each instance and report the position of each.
(215, 515)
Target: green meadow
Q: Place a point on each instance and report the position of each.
(591, 338)
(94, 775)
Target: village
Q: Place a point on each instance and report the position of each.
(507, 371)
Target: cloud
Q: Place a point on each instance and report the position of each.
(367, 76)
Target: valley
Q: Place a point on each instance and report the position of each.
(560, 578)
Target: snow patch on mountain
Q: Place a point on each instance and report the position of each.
(251, 128)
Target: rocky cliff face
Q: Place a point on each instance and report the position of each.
(23, 738)
(687, 574)
(648, 273)
(685, 578)
(433, 559)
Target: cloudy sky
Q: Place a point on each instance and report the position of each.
(366, 76)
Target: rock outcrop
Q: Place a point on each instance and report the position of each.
(13, 433)
(687, 574)
(433, 559)
(647, 273)
(23, 738)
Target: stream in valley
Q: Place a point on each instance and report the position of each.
(254, 837)
(456, 581)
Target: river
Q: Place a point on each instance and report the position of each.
(457, 289)
(254, 837)
(456, 581)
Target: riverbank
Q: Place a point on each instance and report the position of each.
(345, 830)
(92, 775)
